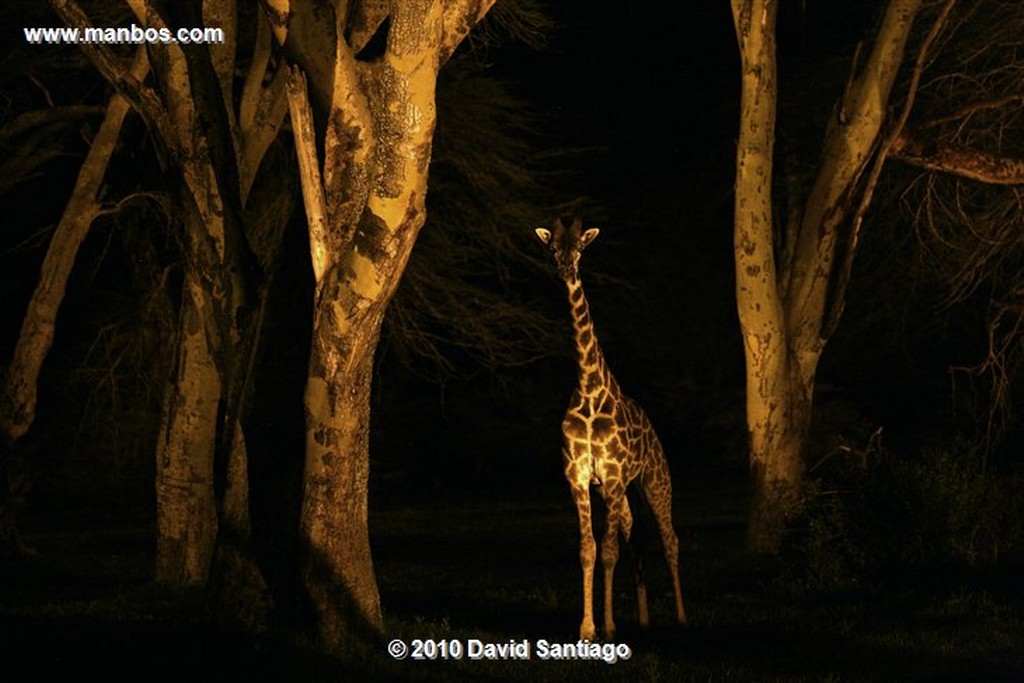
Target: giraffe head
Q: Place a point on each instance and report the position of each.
(566, 243)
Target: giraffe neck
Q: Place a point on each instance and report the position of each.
(593, 371)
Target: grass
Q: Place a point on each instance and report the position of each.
(500, 571)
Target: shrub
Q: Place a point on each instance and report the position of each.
(884, 519)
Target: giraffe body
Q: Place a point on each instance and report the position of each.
(609, 443)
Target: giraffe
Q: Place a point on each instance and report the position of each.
(609, 443)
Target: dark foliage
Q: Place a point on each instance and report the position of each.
(872, 518)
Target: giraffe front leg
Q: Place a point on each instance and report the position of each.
(588, 556)
(610, 556)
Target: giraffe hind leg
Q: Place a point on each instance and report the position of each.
(657, 488)
(633, 532)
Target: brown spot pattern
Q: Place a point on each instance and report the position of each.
(609, 443)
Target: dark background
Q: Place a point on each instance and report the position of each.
(633, 113)
(636, 111)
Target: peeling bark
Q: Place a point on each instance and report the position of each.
(378, 143)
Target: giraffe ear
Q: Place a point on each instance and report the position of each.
(544, 235)
(588, 237)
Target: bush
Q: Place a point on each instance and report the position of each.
(885, 519)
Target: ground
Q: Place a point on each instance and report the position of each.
(499, 570)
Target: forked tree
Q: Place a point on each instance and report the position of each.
(792, 276)
(364, 210)
(366, 74)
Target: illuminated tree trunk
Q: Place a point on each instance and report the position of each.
(364, 216)
(789, 293)
(214, 139)
(774, 421)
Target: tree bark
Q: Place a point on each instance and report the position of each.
(338, 571)
(783, 307)
(774, 433)
(186, 513)
(18, 403)
(914, 148)
(364, 216)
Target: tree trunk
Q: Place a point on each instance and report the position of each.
(215, 148)
(338, 571)
(364, 215)
(185, 508)
(239, 596)
(776, 422)
(784, 307)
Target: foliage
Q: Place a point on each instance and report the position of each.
(969, 232)
(884, 519)
(461, 296)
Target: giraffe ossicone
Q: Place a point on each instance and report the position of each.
(609, 443)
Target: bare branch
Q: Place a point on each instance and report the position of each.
(142, 98)
(912, 148)
(309, 171)
(17, 406)
(972, 108)
(43, 117)
(885, 149)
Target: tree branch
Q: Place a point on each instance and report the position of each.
(364, 24)
(972, 108)
(912, 148)
(261, 110)
(309, 172)
(141, 97)
(850, 143)
(42, 117)
(459, 19)
(349, 149)
(838, 296)
(18, 403)
(279, 13)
